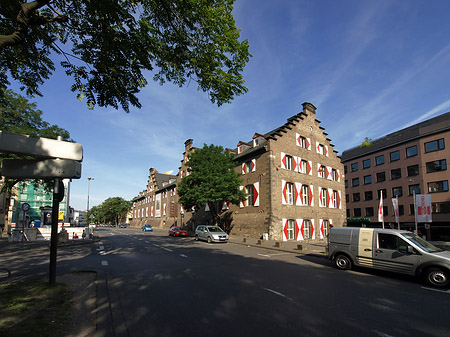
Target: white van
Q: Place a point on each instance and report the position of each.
(389, 249)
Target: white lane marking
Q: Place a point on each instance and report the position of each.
(169, 250)
(104, 263)
(382, 334)
(102, 252)
(277, 254)
(155, 245)
(100, 243)
(112, 233)
(147, 241)
(277, 293)
(438, 290)
(182, 255)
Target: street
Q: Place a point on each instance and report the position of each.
(163, 286)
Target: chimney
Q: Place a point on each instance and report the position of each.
(309, 106)
(188, 145)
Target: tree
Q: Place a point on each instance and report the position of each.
(367, 142)
(112, 44)
(18, 115)
(212, 180)
(111, 210)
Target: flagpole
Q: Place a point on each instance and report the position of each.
(398, 214)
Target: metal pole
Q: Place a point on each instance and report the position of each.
(54, 233)
(87, 209)
(398, 214)
(415, 210)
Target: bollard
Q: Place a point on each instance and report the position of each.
(259, 242)
(278, 244)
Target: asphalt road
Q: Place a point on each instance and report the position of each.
(155, 285)
(164, 286)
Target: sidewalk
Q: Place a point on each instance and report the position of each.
(316, 248)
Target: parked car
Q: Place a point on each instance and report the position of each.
(176, 231)
(123, 225)
(147, 228)
(210, 234)
(389, 249)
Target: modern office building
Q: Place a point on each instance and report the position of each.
(399, 165)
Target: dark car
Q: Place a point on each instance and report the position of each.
(176, 231)
(123, 225)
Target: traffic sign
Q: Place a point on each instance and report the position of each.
(49, 168)
(25, 207)
(40, 147)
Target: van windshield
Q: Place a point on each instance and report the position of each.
(425, 245)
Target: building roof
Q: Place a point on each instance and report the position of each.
(431, 126)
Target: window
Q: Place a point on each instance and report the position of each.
(288, 162)
(304, 166)
(345, 169)
(303, 142)
(291, 229)
(436, 166)
(347, 211)
(396, 174)
(401, 210)
(368, 195)
(391, 242)
(248, 166)
(335, 199)
(321, 149)
(379, 160)
(411, 151)
(357, 212)
(289, 193)
(384, 193)
(413, 170)
(356, 197)
(367, 180)
(334, 175)
(381, 176)
(366, 163)
(440, 207)
(326, 226)
(306, 229)
(411, 209)
(324, 197)
(369, 211)
(435, 145)
(346, 183)
(249, 190)
(355, 182)
(414, 189)
(354, 167)
(323, 171)
(305, 194)
(385, 210)
(438, 186)
(397, 191)
(347, 198)
(394, 156)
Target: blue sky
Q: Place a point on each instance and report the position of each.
(370, 68)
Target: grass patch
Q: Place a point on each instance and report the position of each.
(32, 308)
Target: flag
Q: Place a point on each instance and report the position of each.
(380, 208)
(395, 204)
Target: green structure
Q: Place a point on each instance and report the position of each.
(39, 199)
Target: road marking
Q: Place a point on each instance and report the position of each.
(104, 263)
(270, 255)
(155, 245)
(101, 247)
(182, 255)
(147, 241)
(100, 243)
(277, 293)
(438, 290)
(382, 334)
(102, 252)
(169, 250)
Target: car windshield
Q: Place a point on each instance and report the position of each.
(215, 229)
(425, 245)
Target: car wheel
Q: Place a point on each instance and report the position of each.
(437, 277)
(209, 239)
(343, 262)
(196, 237)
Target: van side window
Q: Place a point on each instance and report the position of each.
(392, 242)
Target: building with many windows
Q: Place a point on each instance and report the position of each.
(407, 162)
(292, 176)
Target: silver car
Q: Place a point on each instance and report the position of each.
(210, 234)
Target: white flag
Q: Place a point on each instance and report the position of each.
(395, 204)
(380, 208)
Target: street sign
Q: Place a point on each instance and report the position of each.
(41, 147)
(49, 168)
(25, 207)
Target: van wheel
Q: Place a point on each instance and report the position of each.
(196, 237)
(343, 262)
(437, 277)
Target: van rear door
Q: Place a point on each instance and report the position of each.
(365, 247)
(391, 254)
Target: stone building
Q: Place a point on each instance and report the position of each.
(292, 177)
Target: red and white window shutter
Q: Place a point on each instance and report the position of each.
(329, 173)
(325, 148)
(330, 198)
(243, 203)
(283, 160)
(339, 200)
(313, 231)
(311, 195)
(299, 225)
(320, 196)
(310, 167)
(308, 144)
(164, 209)
(321, 229)
(283, 192)
(253, 169)
(285, 232)
(256, 194)
(319, 148)
(298, 194)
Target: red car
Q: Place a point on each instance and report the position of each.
(176, 231)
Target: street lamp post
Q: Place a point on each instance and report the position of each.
(87, 211)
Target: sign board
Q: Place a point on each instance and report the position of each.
(40, 147)
(49, 168)
(60, 215)
(25, 207)
(423, 208)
